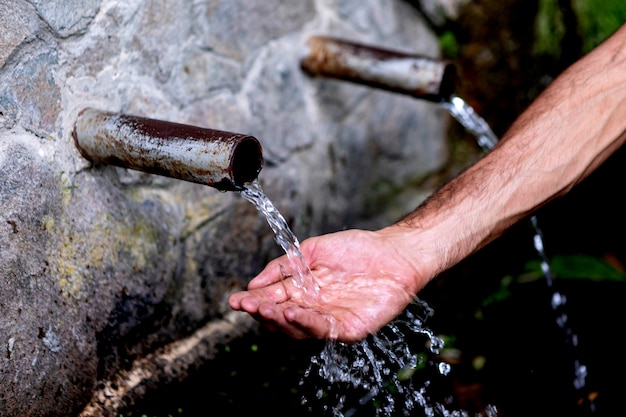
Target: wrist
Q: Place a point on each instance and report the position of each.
(420, 248)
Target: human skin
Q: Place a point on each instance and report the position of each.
(367, 278)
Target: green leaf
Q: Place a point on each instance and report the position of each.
(585, 267)
(501, 294)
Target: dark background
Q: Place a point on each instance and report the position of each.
(528, 360)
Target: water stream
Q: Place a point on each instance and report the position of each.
(378, 376)
(486, 139)
(283, 236)
(376, 373)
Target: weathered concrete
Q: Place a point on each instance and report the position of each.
(103, 268)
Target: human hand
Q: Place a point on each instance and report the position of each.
(364, 278)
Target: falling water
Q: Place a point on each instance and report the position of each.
(376, 373)
(471, 121)
(284, 237)
(486, 139)
(379, 373)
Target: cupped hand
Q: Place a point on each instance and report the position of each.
(364, 281)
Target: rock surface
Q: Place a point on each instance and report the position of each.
(104, 270)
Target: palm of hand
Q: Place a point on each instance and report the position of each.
(363, 281)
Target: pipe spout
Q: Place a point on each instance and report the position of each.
(421, 77)
(223, 160)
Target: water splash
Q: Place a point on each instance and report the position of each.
(396, 371)
(377, 374)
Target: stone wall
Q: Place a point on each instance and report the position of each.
(112, 281)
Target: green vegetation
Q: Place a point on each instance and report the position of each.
(449, 45)
(570, 267)
(598, 19)
(549, 28)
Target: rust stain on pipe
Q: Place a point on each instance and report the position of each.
(421, 77)
(220, 159)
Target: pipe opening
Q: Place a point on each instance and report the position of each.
(247, 161)
(448, 82)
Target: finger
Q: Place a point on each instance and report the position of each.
(310, 322)
(282, 326)
(272, 273)
(249, 301)
(244, 301)
(234, 300)
(275, 314)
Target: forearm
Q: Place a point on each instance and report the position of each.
(563, 136)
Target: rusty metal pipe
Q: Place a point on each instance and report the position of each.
(421, 77)
(223, 160)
